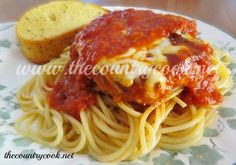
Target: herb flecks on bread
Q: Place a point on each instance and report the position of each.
(44, 31)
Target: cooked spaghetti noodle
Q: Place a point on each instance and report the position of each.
(114, 130)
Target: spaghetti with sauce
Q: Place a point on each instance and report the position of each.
(116, 116)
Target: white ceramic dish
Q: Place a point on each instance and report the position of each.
(218, 146)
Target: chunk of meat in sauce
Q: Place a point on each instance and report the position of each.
(111, 35)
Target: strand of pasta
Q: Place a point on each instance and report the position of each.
(112, 131)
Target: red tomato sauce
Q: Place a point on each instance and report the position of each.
(116, 32)
(199, 88)
(113, 34)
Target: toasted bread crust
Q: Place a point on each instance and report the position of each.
(40, 46)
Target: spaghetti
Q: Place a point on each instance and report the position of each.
(113, 127)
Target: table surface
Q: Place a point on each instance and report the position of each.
(219, 13)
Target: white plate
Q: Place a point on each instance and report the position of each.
(218, 146)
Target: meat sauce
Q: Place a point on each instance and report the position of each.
(113, 34)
